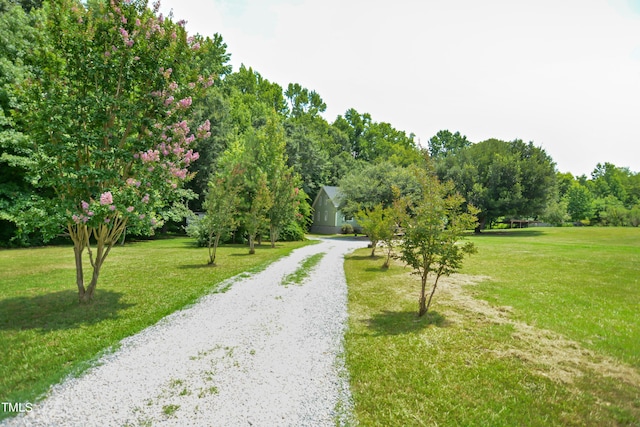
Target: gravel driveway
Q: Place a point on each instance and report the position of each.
(260, 354)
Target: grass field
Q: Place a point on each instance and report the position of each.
(46, 335)
(541, 328)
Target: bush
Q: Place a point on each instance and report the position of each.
(195, 230)
(347, 229)
(292, 232)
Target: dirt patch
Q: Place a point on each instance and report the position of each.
(553, 355)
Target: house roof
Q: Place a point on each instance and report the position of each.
(332, 192)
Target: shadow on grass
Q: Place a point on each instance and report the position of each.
(366, 257)
(59, 310)
(516, 232)
(404, 322)
(197, 266)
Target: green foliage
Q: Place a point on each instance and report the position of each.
(579, 202)
(444, 144)
(374, 184)
(346, 229)
(433, 232)
(501, 178)
(221, 207)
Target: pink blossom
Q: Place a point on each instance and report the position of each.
(195, 46)
(107, 220)
(150, 156)
(167, 73)
(168, 101)
(173, 86)
(138, 22)
(123, 20)
(90, 213)
(130, 209)
(85, 205)
(145, 199)
(75, 218)
(128, 42)
(124, 33)
(203, 129)
(141, 216)
(174, 185)
(185, 103)
(106, 198)
(112, 207)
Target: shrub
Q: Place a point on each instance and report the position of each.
(347, 229)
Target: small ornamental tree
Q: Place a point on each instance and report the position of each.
(382, 225)
(284, 193)
(107, 114)
(433, 233)
(221, 206)
(255, 218)
(377, 224)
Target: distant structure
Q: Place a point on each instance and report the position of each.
(327, 218)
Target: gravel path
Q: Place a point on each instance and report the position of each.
(260, 354)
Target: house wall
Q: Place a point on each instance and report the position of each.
(325, 212)
(327, 219)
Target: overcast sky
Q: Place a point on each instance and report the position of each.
(564, 74)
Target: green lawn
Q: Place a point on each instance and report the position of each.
(558, 343)
(45, 334)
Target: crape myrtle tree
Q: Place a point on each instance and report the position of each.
(433, 241)
(221, 207)
(107, 115)
(382, 224)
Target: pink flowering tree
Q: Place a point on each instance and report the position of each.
(108, 116)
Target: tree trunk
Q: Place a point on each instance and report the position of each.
(77, 251)
(374, 244)
(273, 234)
(481, 224)
(422, 310)
(252, 247)
(212, 251)
(387, 263)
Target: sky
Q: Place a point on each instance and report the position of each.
(562, 74)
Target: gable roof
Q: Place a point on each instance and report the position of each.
(333, 193)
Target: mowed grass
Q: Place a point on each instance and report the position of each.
(46, 335)
(557, 344)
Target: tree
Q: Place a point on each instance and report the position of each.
(433, 232)
(255, 218)
(17, 36)
(106, 111)
(501, 178)
(381, 224)
(221, 206)
(444, 143)
(579, 202)
(284, 191)
(374, 184)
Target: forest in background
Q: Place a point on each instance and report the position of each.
(261, 134)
